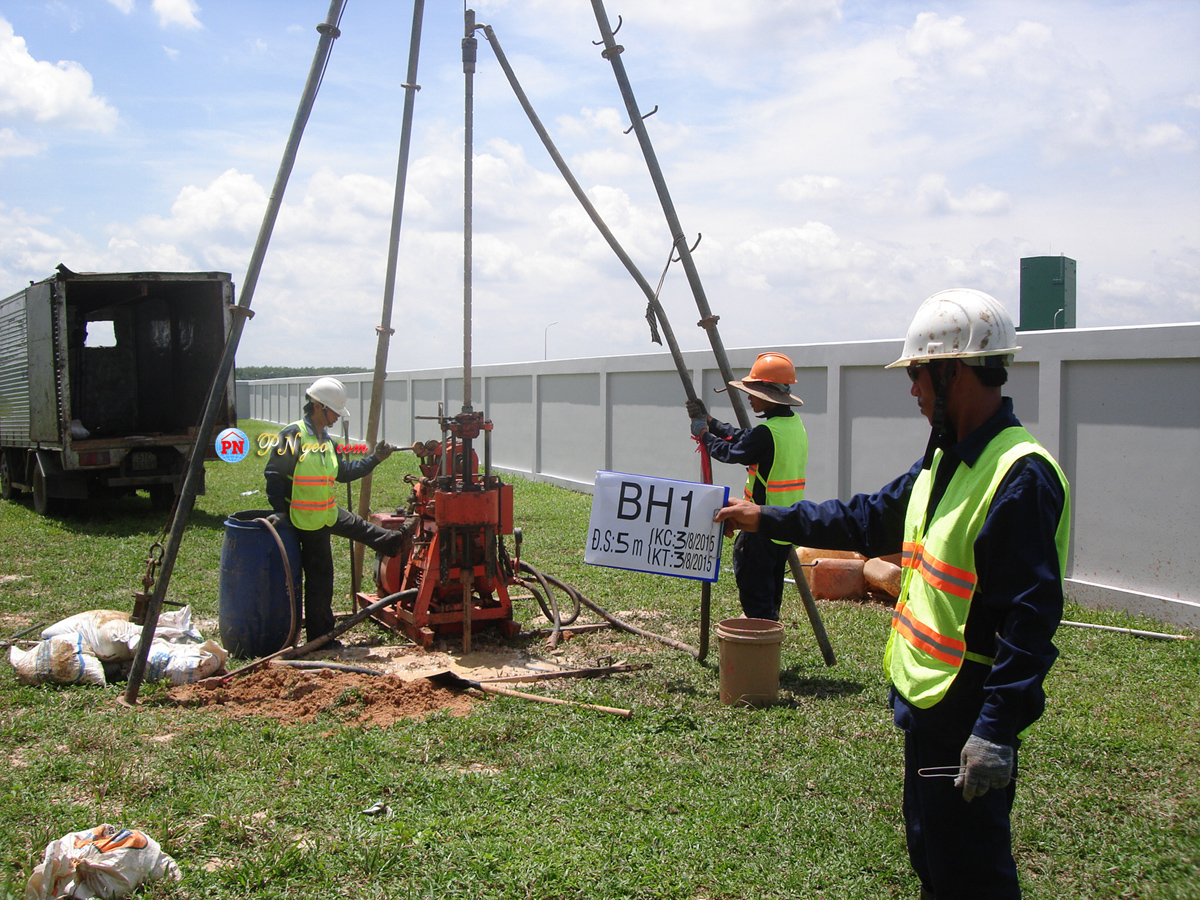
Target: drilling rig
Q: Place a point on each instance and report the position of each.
(453, 552)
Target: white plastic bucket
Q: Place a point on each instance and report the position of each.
(749, 661)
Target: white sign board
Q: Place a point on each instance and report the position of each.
(656, 525)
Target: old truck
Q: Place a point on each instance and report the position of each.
(104, 380)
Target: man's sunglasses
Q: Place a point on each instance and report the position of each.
(914, 371)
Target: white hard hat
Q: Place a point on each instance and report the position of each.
(331, 393)
(960, 323)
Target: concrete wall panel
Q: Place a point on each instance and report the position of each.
(1131, 448)
(510, 407)
(1118, 407)
(571, 439)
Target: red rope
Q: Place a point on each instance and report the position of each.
(705, 461)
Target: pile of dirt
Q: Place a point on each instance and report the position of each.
(294, 695)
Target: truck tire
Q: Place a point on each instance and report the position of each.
(7, 490)
(43, 503)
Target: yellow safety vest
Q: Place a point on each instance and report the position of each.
(784, 482)
(927, 645)
(313, 505)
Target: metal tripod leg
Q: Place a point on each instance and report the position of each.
(810, 607)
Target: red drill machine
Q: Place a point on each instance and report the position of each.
(453, 553)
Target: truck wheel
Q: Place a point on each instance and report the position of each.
(7, 491)
(43, 504)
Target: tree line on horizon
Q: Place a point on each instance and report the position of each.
(253, 373)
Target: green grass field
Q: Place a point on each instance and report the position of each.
(688, 799)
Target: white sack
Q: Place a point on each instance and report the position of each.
(60, 660)
(183, 663)
(105, 632)
(105, 862)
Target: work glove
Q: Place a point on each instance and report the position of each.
(699, 426)
(382, 450)
(985, 766)
(695, 409)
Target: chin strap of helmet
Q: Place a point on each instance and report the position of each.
(939, 376)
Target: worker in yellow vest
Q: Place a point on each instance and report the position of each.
(775, 455)
(301, 471)
(983, 524)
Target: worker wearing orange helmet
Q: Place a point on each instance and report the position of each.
(983, 524)
(775, 454)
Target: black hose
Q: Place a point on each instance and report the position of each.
(294, 627)
(552, 613)
(579, 598)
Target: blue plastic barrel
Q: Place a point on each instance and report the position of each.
(254, 609)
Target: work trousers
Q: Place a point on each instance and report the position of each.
(759, 566)
(316, 561)
(959, 850)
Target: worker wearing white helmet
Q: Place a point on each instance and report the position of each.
(775, 455)
(982, 522)
(301, 471)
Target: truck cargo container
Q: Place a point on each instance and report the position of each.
(104, 379)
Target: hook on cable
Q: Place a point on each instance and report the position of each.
(614, 31)
(644, 118)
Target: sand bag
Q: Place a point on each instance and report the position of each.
(183, 663)
(105, 632)
(176, 625)
(60, 660)
(104, 862)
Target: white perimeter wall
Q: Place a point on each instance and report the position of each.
(1118, 407)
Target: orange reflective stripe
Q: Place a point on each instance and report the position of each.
(313, 504)
(943, 576)
(797, 485)
(751, 477)
(312, 479)
(921, 636)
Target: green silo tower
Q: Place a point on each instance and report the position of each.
(1047, 293)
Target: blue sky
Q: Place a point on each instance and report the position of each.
(842, 160)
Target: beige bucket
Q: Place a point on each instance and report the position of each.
(749, 650)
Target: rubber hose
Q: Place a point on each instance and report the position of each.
(294, 627)
(613, 620)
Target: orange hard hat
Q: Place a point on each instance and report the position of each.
(773, 367)
(769, 377)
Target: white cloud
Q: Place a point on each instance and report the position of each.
(932, 34)
(12, 144)
(171, 52)
(125, 6)
(1164, 136)
(1030, 83)
(177, 12)
(812, 187)
(39, 91)
(31, 246)
(934, 197)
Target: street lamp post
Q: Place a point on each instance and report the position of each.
(545, 339)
